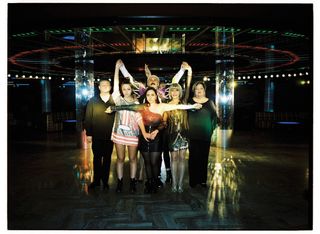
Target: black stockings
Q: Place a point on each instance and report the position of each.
(151, 163)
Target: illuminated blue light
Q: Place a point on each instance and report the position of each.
(289, 123)
(69, 38)
(85, 92)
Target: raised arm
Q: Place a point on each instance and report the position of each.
(127, 75)
(147, 71)
(116, 90)
(188, 83)
(136, 107)
(169, 107)
(179, 74)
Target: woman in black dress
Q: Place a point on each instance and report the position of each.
(202, 122)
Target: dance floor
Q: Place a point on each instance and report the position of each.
(261, 182)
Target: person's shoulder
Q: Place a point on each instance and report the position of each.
(94, 98)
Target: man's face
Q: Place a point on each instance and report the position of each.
(153, 81)
(104, 86)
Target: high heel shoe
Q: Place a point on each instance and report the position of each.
(147, 186)
(133, 185)
(169, 177)
(174, 189)
(119, 185)
(180, 189)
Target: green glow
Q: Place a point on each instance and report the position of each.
(183, 29)
(141, 29)
(225, 29)
(262, 31)
(28, 34)
(88, 29)
(290, 34)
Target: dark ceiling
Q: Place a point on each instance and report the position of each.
(268, 37)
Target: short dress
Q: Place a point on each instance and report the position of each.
(125, 128)
(151, 121)
(177, 130)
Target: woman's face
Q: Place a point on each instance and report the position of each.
(174, 93)
(151, 96)
(126, 90)
(199, 91)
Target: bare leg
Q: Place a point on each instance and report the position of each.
(121, 153)
(133, 160)
(121, 150)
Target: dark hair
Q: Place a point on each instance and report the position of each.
(197, 83)
(155, 91)
(102, 80)
(123, 83)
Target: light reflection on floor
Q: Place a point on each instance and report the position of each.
(224, 180)
(261, 185)
(84, 171)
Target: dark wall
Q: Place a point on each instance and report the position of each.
(24, 102)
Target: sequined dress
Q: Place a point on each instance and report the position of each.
(177, 130)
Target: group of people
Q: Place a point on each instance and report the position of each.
(151, 120)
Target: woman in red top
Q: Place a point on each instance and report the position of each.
(152, 112)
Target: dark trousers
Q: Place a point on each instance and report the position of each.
(102, 151)
(166, 155)
(198, 161)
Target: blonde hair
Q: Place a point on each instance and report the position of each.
(175, 86)
(153, 76)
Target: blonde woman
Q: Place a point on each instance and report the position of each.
(177, 127)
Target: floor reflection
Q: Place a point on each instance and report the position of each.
(224, 182)
(83, 171)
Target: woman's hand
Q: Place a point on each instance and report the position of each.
(197, 106)
(154, 134)
(89, 139)
(108, 110)
(119, 63)
(146, 136)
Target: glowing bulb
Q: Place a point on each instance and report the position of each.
(85, 92)
(234, 84)
(224, 98)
